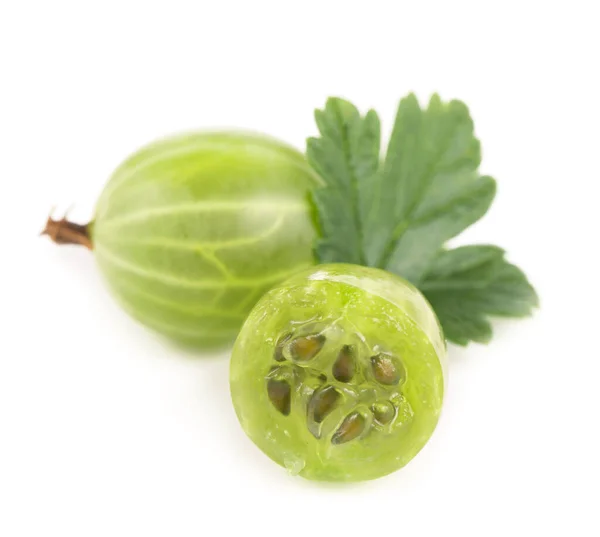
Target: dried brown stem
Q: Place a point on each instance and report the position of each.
(65, 232)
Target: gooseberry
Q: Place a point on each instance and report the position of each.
(338, 373)
(191, 230)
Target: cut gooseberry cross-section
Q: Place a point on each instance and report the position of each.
(349, 361)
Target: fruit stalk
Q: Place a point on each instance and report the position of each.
(64, 231)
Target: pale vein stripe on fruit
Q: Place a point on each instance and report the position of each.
(166, 151)
(168, 279)
(209, 256)
(196, 245)
(248, 300)
(198, 312)
(170, 328)
(217, 296)
(212, 258)
(127, 171)
(202, 207)
(175, 175)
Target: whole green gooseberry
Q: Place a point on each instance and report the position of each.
(191, 230)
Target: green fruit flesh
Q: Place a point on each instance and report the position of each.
(338, 373)
(192, 230)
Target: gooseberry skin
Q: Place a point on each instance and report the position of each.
(364, 309)
(191, 230)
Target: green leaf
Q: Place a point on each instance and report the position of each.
(398, 214)
(430, 190)
(469, 284)
(346, 155)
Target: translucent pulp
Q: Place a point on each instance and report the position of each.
(338, 374)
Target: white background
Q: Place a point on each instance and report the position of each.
(107, 430)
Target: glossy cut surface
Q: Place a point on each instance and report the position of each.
(191, 230)
(338, 373)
